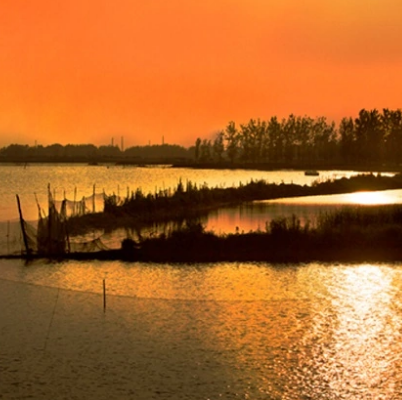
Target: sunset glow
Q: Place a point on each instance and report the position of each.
(86, 71)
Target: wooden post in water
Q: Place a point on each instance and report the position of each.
(93, 199)
(104, 295)
(24, 234)
(8, 237)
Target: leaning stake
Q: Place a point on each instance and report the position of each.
(24, 234)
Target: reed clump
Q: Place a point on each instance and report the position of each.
(358, 234)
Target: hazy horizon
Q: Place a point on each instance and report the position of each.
(84, 72)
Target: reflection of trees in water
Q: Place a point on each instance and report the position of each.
(157, 213)
(112, 237)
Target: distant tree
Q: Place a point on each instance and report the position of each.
(218, 147)
(324, 139)
(246, 141)
(289, 136)
(275, 140)
(392, 124)
(38, 151)
(252, 137)
(55, 150)
(206, 151)
(260, 141)
(304, 134)
(347, 143)
(15, 151)
(369, 136)
(190, 153)
(83, 151)
(231, 136)
(109, 151)
(197, 149)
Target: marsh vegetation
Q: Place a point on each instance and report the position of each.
(188, 201)
(358, 233)
(352, 234)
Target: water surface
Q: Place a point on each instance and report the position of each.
(256, 331)
(226, 330)
(75, 181)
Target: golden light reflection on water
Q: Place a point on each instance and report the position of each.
(367, 329)
(352, 348)
(370, 198)
(260, 331)
(363, 198)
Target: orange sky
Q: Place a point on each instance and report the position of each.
(84, 71)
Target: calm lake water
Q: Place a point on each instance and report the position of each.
(311, 331)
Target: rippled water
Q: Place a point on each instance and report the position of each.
(237, 330)
(313, 331)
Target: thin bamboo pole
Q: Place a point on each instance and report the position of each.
(8, 237)
(24, 234)
(93, 199)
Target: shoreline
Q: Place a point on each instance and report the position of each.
(174, 163)
(285, 241)
(360, 235)
(187, 204)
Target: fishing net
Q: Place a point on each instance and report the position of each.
(87, 204)
(49, 235)
(11, 242)
(89, 246)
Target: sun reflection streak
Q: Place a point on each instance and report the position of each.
(370, 198)
(352, 346)
(367, 327)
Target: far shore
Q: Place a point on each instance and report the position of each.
(174, 162)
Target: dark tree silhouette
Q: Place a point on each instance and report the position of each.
(371, 139)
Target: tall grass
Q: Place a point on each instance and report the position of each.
(358, 234)
(189, 200)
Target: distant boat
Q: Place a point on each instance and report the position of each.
(311, 172)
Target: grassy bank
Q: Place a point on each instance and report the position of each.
(358, 234)
(189, 201)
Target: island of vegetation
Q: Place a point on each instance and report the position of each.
(355, 235)
(188, 201)
(350, 234)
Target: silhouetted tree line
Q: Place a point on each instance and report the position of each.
(89, 152)
(372, 138)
